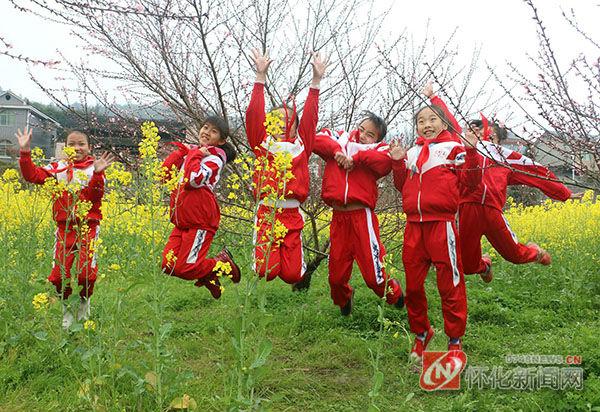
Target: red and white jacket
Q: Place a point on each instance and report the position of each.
(432, 193)
(193, 203)
(300, 147)
(359, 185)
(501, 167)
(80, 172)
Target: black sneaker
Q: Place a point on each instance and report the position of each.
(346, 310)
(400, 302)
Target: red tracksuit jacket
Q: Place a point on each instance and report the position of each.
(193, 204)
(432, 194)
(359, 185)
(300, 147)
(496, 177)
(81, 172)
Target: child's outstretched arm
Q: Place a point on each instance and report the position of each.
(30, 172)
(377, 160)
(325, 144)
(551, 188)
(453, 127)
(255, 114)
(399, 171)
(310, 115)
(95, 188)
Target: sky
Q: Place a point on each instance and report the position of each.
(502, 29)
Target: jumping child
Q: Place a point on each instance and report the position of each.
(480, 211)
(429, 175)
(194, 209)
(74, 234)
(355, 161)
(284, 258)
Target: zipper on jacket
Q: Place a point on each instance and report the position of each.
(346, 190)
(484, 185)
(419, 198)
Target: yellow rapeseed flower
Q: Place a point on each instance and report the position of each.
(222, 268)
(37, 155)
(274, 123)
(171, 258)
(89, 325)
(69, 153)
(115, 266)
(40, 301)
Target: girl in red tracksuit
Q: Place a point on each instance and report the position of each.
(429, 176)
(282, 259)
(354, 163)
(71, 240)
(480, 211)
(194, 209)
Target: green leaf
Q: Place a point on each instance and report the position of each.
(377, 384)
(263, 353)
(164, 330)
(373, 408)
(41, 335)
(380, 317)
(184, 402)
(151, 379)
(235, 344)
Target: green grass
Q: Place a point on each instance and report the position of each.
(320, 361)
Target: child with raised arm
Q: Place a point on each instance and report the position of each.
(281, 194)
(194, 209)
(429, 176)
(75, 233)
(355, 161)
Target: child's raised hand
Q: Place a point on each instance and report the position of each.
(319, 65)
(262, 63)
(397, 152)
(428, 90)
(102, 162)
(470, 137)
(204, 151)
(24, 138)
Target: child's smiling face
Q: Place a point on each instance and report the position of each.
(210, 135)
(79, 142)
(429, 124)
(368, 132)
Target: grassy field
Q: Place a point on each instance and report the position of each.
(158, 338)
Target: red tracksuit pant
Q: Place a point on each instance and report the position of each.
(428, 243)
(68, 245)
(188, 257)
(277, 251)
(477, 220)
(355, 236)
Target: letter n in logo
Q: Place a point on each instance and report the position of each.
(441, 370)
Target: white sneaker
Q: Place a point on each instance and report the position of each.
(83, 313)
(67, 317)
